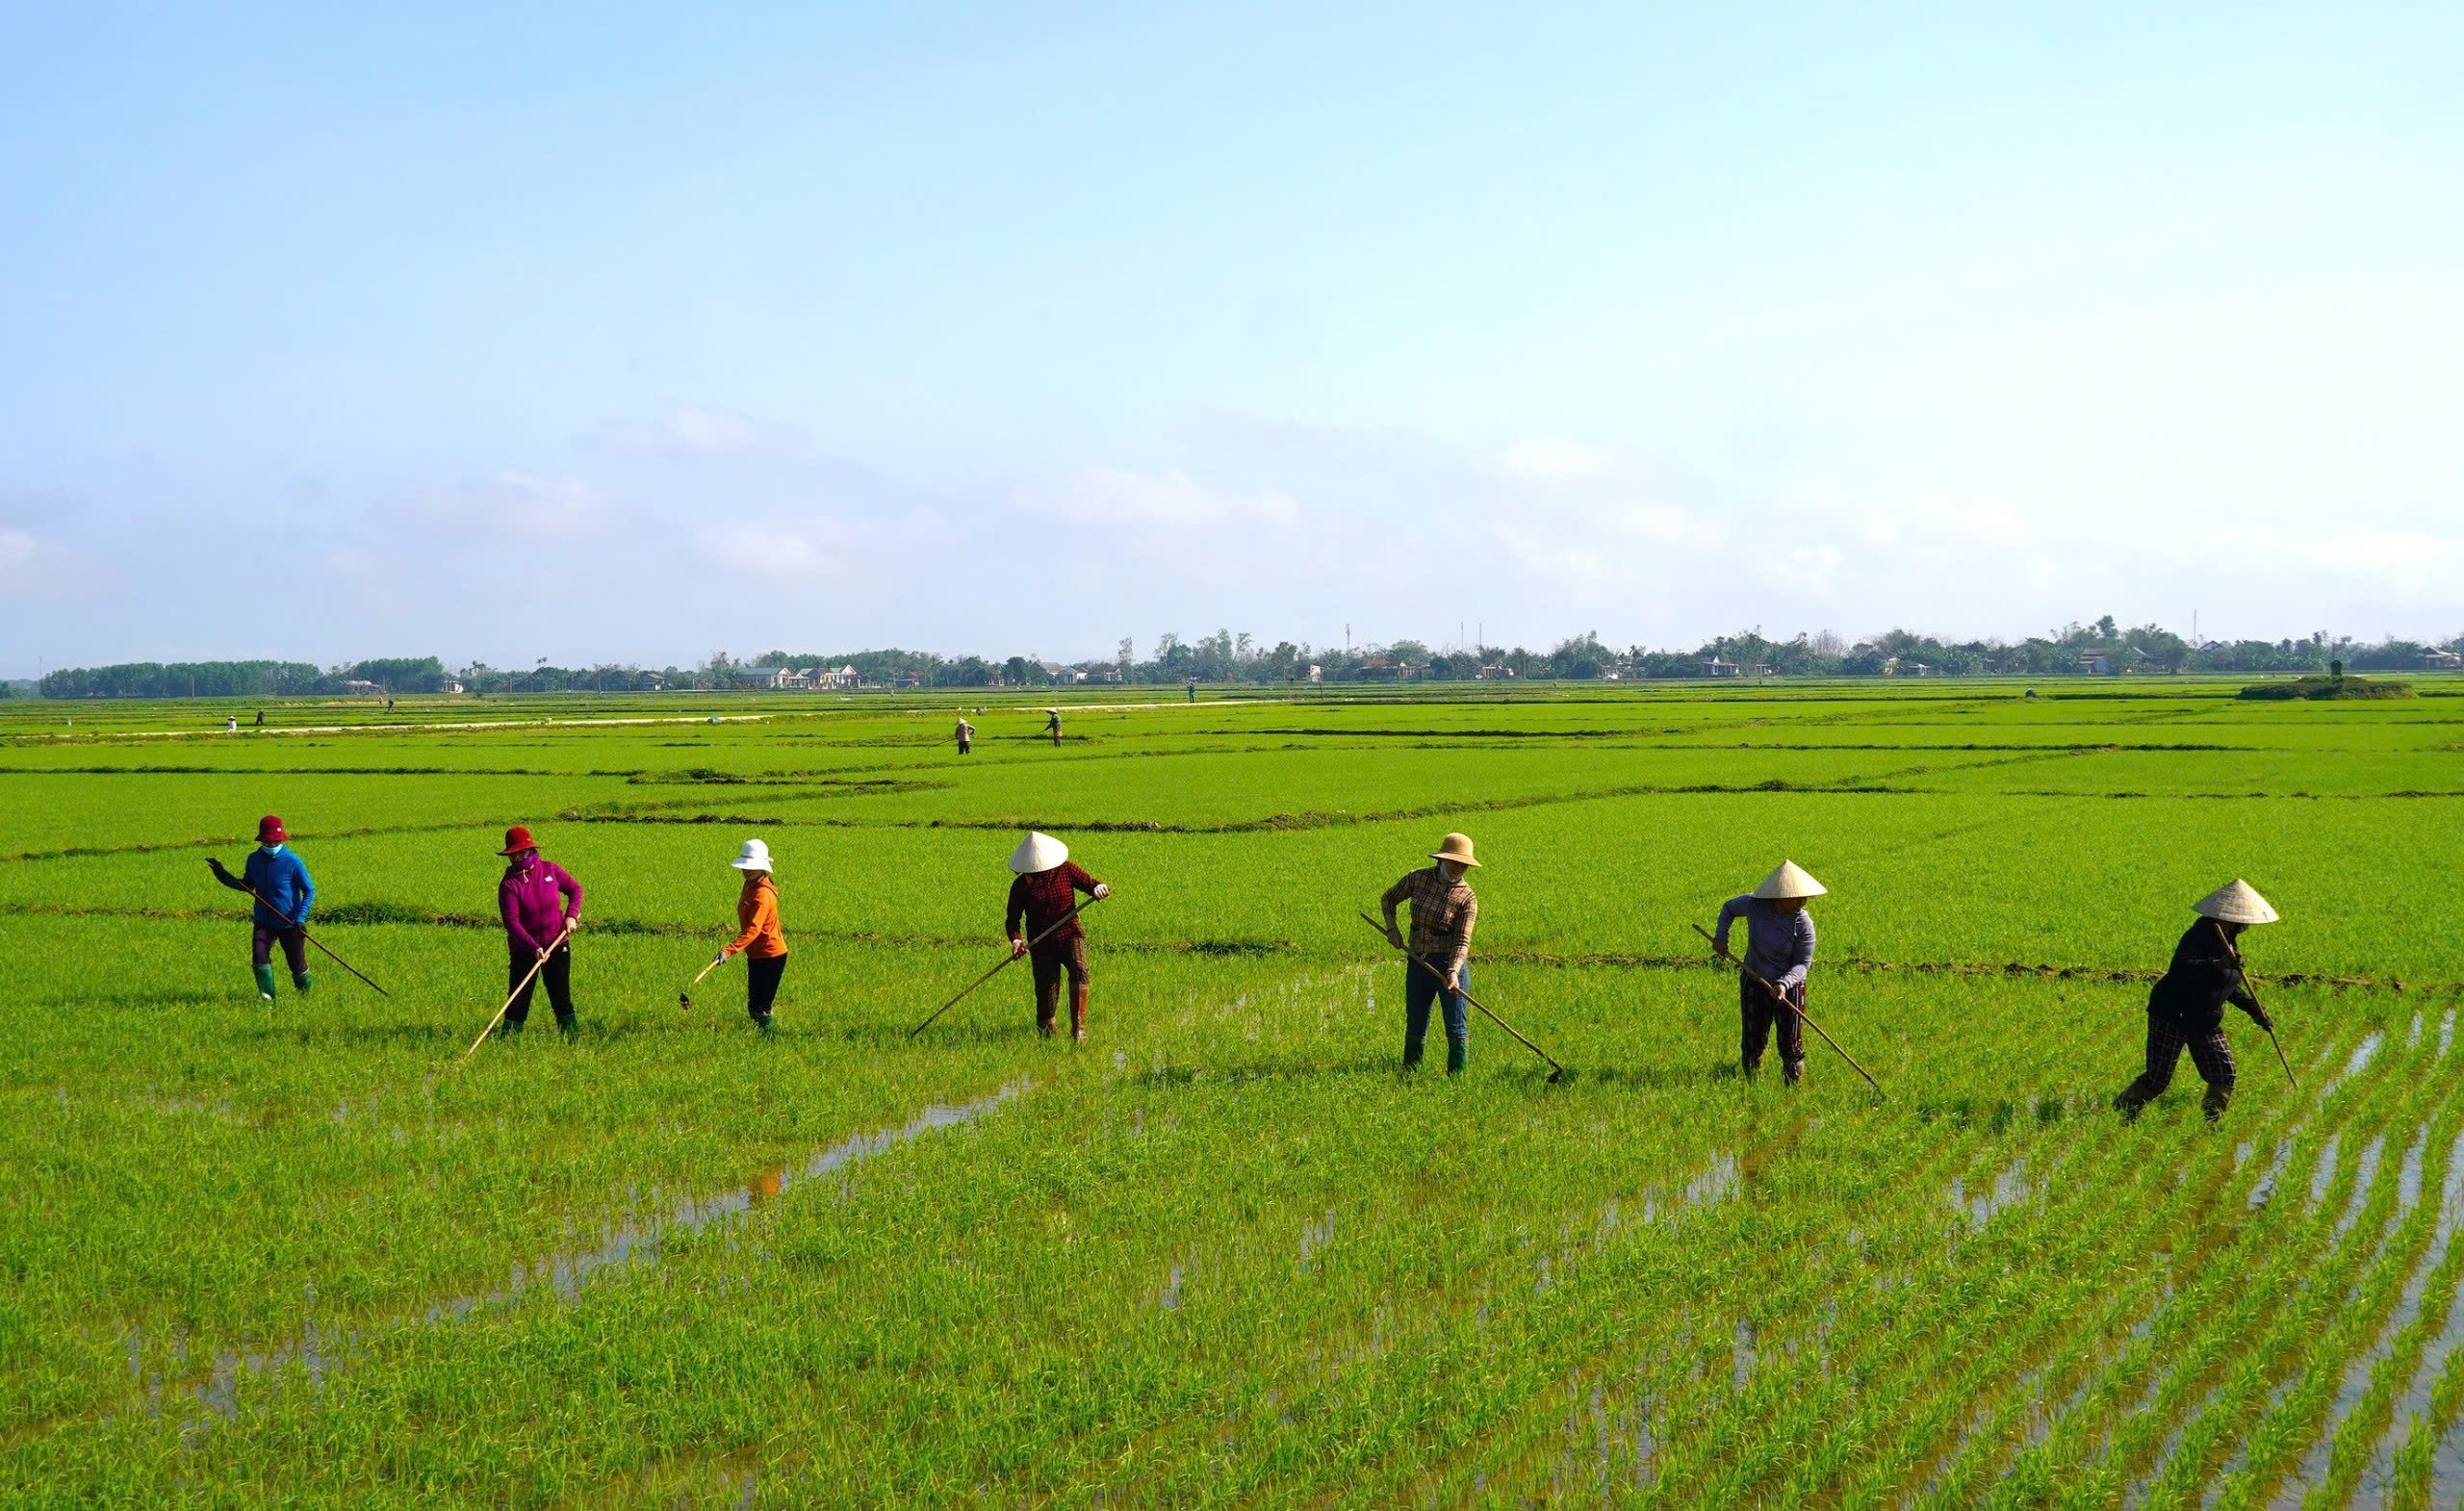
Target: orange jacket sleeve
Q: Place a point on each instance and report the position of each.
(763, 919)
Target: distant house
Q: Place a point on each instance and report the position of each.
(360, 689)
(1382, 669)
(1914, 668)
(1312, 672)
(2095, 663)
(2442, 660)
(1722, 666)
(842, 681)
(1492, 673)
(449, 686)
(1101, 671)
(781, 678)
(1061, 673)
(908, 681)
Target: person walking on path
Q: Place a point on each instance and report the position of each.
(762, 943)
(2186, 1007)
(1192, 689)
(1041, 894)
(1052, 724)
(966, 734)
(1438, 970)
(1779, 954)
(541, 905)
(285, 893)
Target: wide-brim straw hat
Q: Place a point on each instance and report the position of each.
(1791, 880)
(517, 839)
(2235, 901)
(1037, 852)
(753, 856)
(1456, 848)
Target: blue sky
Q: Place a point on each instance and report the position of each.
(1017, 328)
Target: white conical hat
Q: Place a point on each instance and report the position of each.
(1791, 880)
(753, 856)
(2235, 901)
(1037, 852)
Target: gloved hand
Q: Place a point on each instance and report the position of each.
(221, 872)
(2266, 1022)
(1102, 891)
(720, 958)
(1018, 947)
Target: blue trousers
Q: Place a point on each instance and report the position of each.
(1423, 987)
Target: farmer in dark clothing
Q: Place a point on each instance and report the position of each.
(284, 895)
(1438, 971)
(2186, 1007)
(541, 905)
(1045, 888)
(966, 734)
(1779, 954)
(1052, 724)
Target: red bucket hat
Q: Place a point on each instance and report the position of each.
(517, 839)
(270, 831)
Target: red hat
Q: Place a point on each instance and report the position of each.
(270, 831)
(517, 839)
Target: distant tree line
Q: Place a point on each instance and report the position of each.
(2072, 649)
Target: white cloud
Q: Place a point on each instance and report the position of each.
(789, 555)
(1548, 461)
(1658, 524)
(1169, 500)
(16, 555)
(516, 503)
(690, 430)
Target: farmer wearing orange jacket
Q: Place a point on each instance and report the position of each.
(762, 943)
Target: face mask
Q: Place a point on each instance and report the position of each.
(273, 849)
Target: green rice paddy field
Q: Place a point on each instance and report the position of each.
(1224, 1253)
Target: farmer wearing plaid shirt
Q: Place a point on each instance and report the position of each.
(2186, 1007)
(1443, 911)
(1779, 955)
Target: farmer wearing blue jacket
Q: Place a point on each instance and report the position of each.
(284, 894)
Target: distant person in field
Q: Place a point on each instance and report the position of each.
(260, 718)
(1192, 689)
(1052, 724)
(966, 734)
(541, 905)
(1779, 955)
(763, 944)
(1041, 894)
(1439, 971)
(285, 893)
(2186, 1007)
(230, 724)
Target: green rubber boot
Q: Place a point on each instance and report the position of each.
(299, 982)
(265, 983)
(1456, 1056)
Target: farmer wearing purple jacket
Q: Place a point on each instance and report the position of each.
(541, 905)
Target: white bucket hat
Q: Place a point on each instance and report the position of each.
(2235, 901)
(753, 856)
(1456, 848)
(1791, 880)
(1037, 852)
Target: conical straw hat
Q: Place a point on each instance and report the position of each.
(1456, 848)
(1791, 880)
(2235, 901)
(1037, 852)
